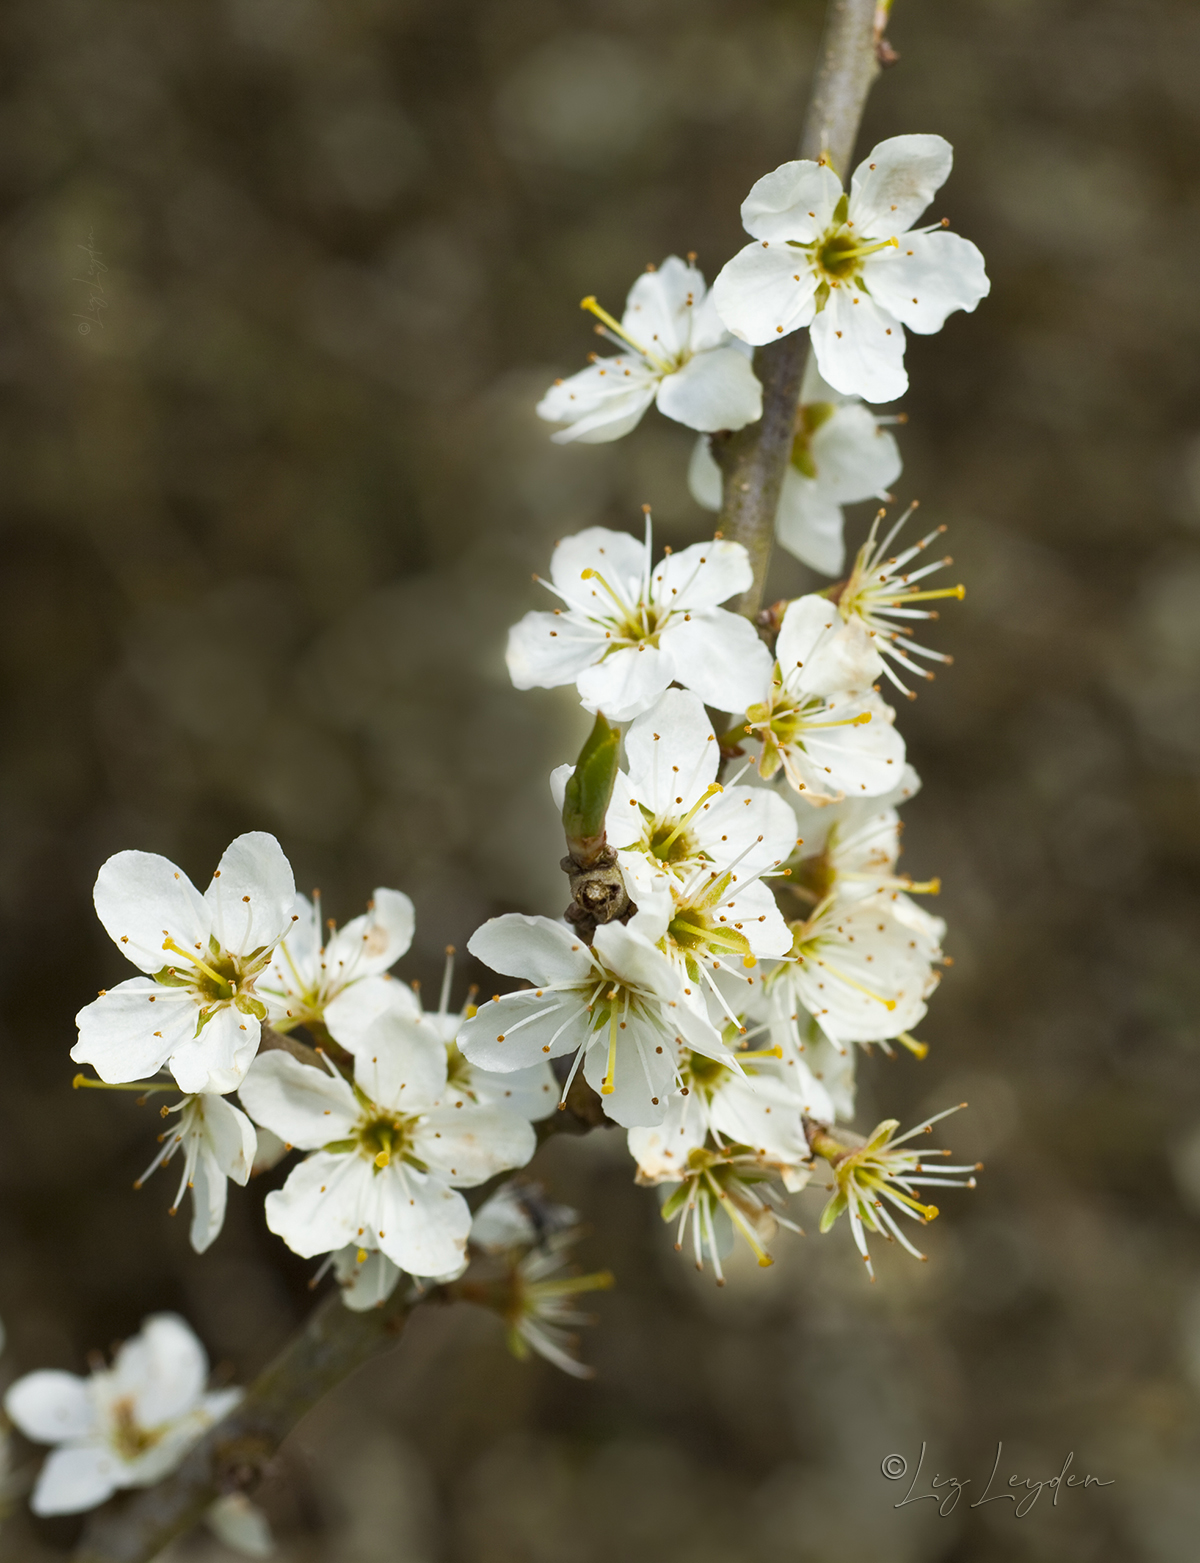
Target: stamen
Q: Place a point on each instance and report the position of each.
(601, 313)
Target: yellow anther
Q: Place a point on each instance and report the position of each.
(361, 1256)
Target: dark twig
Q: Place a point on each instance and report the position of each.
(753, 460)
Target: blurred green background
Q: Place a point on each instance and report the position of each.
(265, 522)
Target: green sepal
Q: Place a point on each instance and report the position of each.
(833, 1210)
(170, 978)
(589, 789)
(340, 1147)
(673, 1205)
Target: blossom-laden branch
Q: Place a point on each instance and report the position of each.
(753, 461)
(644, 1002)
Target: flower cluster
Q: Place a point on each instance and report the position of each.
(734, 816)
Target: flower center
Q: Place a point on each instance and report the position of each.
(382, 1138)
(129, 1438)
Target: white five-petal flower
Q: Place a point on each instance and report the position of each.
(849, 266)
(840, 454)
(124, 1426)
(674, 351)
(863, 969)
(821, 719)
(670, 821)
(340, 984)
(389, 1149)
(619, 1005)
(196, 1012)
(629, 628)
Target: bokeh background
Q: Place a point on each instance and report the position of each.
(267, 512)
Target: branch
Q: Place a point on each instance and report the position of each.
(231, 1457)
(331, 1345)
(754, 459)
(336, 1342)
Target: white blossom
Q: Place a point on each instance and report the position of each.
(619, 1005)
(862, 968)
(670, 820)
(674, 351)
(629, 628)
(841, 453)
(880, 594)
(389, 1151)
(124, 1426)
(821, 720)
(340, 983)
(850, 267)
(871, 1174)
(218, 1143)
(196, 1011)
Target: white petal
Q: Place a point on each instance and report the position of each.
(859, 346)
(547, 650)
(240, 1525)
(305, 1106)
(602, 402)
(626, 683)
(658, 310)
(163, 1368)
(927, 279)
(142, 899)
(708, 329)
(720, 657)
(368, 945)
(819, 653)
(763, 1113)
(252, 894)
(467, 1145)
(661, 1151)
(368, 1283)
(618, 557)
(229, 1134)
(420, 1224)
(672, 753)
(795, 201)
(704, 477)
(765, 291)
(324, 1202)
(357, 1007)
(209, 1190)
(523, 1029)
(536, 948)
(401, 1063)
(559, 777)
(303, 946)
(533, 1093)
(75, 1478)
(714, 390)
(702, 576)
(809, 523)
(218, 1058)
(896, 181)
(50, 1407)
(643, 1079)
(130, 1031)
(855, 459)
(859, 760)
(631, 956)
